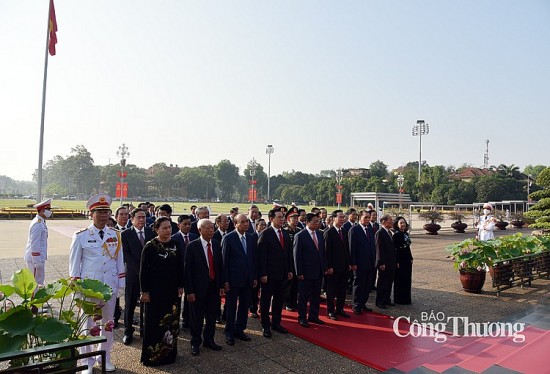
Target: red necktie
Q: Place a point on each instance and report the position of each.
(314, 236)
(211, 272)
(340, 233)
(281, 238)
(186, 239)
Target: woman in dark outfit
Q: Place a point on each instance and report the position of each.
(161, 281)
(403, 272)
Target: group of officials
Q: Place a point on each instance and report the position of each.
(289, 262)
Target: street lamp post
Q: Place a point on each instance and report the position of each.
(339, 186)
(253, 165)
(123, 154)
(421, 128)
(400, 182)
(269, 150)
(528, 187)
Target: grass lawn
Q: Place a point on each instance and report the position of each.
(178, 207)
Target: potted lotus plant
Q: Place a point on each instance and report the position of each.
(433, 217)
(457, 216)
(72, 302)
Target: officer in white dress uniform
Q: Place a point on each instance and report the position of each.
(36, 251)
(486, 224)
(96, 253)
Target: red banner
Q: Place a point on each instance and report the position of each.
(124, 189)
(52, 30)
(252, 194)
(338, 198)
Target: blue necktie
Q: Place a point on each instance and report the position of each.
(243, 241)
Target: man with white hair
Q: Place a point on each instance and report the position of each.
(486, 224)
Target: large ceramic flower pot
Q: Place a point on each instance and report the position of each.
(472, 281)
(501, 225)
(459, 227)
(517, 224)
(432, 228)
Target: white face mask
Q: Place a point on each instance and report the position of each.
(486, 211)
(47, 213)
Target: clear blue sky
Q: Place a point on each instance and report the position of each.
(327, 83)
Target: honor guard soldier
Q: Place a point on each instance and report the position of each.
(96, 253)
(486, 224)
(36, 251)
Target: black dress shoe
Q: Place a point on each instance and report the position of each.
(279, 329)
(127, 339)
(242, 336)
(381, 306)
(366, 308)
(342, 313)
(357, 312)
(290, 309)
(195, 350)
(219, 321)
(229, 341)
(212, 345)
(267, 333)
(303, 322)
(316, 321)
(254, 315)
(332, 316)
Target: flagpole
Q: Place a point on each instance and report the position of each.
(41, 144)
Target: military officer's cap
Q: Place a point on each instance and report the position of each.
(292, 212)
(100, 201)
(43, 205)
(487, 206)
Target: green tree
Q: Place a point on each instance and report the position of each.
(378, 169)
(227, 178)
(199, 182)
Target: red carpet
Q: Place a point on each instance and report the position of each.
(368, 338)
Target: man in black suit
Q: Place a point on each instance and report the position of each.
(203, 286)
(133, 240)
(363, 261)
(309, 255)
(374, 226)
(201, 212)
(253, 214)
(351, 213)
(386, 262)
(291, 287)
(165, 210)
(337, 258)
(274, 268)
(222, 225)
(302, 218)
(231, 218)
(239, 250)
(184, 237)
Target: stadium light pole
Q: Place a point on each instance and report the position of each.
(269, 151)
(421, 128)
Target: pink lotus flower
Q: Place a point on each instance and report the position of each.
(109, 326)
(94, 331)
(97, 317)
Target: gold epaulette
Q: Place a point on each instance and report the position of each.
(81, 230)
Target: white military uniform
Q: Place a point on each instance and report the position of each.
(486, 227)
(36, 251)
(101, 259)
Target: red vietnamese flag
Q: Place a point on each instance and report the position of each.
(52, 30)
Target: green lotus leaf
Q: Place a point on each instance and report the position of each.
(11, 343)
(24, 283)
(52, 330)
(7, 289)
(17, 321)
(88, 307)
(92, 288)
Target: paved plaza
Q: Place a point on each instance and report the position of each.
(436, 287)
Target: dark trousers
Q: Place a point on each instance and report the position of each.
(131, 295)
(309, 290)
(273, 289)
(254, 299)
(204, 309)
(185, 311)
(291, 292)
(236, 309)
(384, 286)
(118, 311)
(337, 284)
(362, 283)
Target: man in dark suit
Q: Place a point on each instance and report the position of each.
(133, 240)
(363, 261)
(291, 287)
(253, 213)
(309, 254)
(302, 219)
(274, 263)
(201, 212)
(386, 262)
(203, 286)
(239, 250)
(374, 227)
(351, 213)
(337, 258)
(231, 218)
(165, 210)
(182, 238)
(222, 225)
